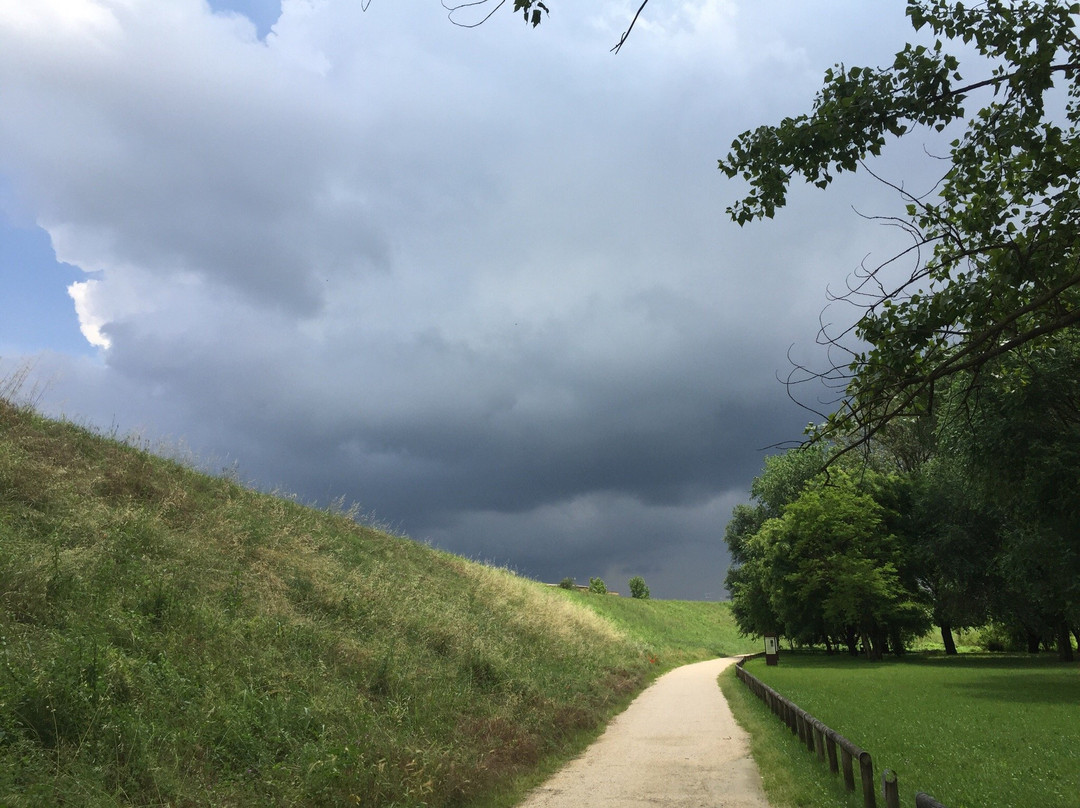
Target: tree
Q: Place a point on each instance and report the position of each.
(951, 543)
(597, 586)
(786, 475)
(835, 570)
(638, 589)
(817, 558)
(1014, 435)
(946, 538)
(780, 483)
(747, 582)
(996, 247)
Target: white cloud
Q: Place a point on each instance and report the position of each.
(66, 18)
(90, 318)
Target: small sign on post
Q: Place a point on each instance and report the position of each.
(772, 650)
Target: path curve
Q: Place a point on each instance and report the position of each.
(677, 745)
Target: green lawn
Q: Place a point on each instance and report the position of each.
(974, 731)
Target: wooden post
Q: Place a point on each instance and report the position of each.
(819, 739)
(830, 744)
(889, 789)
(869, 793)
(849, 772)
(926, 801)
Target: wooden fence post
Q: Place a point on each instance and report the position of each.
(889, 789)
(819, 739)
(869, 793)
(926, 801)
(830, 744)
(849, 771)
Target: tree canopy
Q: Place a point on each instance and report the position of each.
(996, 247)
(967, 516)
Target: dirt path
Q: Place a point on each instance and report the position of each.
(677, 745)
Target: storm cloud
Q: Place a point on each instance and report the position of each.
(480, 282)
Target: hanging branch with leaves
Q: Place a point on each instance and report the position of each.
(996, 245)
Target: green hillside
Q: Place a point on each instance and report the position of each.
(676, 632)
(170, 638)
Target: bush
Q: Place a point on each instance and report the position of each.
(1000, 637)
(597, 586)
(638, 589)
(567, 583)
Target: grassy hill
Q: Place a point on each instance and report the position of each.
(170, 638)
(676, 632)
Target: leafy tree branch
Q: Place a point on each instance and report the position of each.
(996, 244)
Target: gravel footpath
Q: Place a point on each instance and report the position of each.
(676, 745)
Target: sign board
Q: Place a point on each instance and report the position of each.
(772, 650)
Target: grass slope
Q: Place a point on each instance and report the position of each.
(169, 638)
(971, 730)
(674, 632)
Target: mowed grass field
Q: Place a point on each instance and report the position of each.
(973, 730)
(171, 638)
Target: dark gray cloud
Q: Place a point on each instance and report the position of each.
(480, 282)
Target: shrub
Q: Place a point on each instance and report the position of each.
(638, 589)
(597, 586)
(567, 583)
(999, 637)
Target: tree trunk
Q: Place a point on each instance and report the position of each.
(1033, 642)
(896, 642)
(851, 640)
(1064, 643)
(947, 638)
(872, 644)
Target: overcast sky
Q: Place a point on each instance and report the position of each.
(478, 281)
